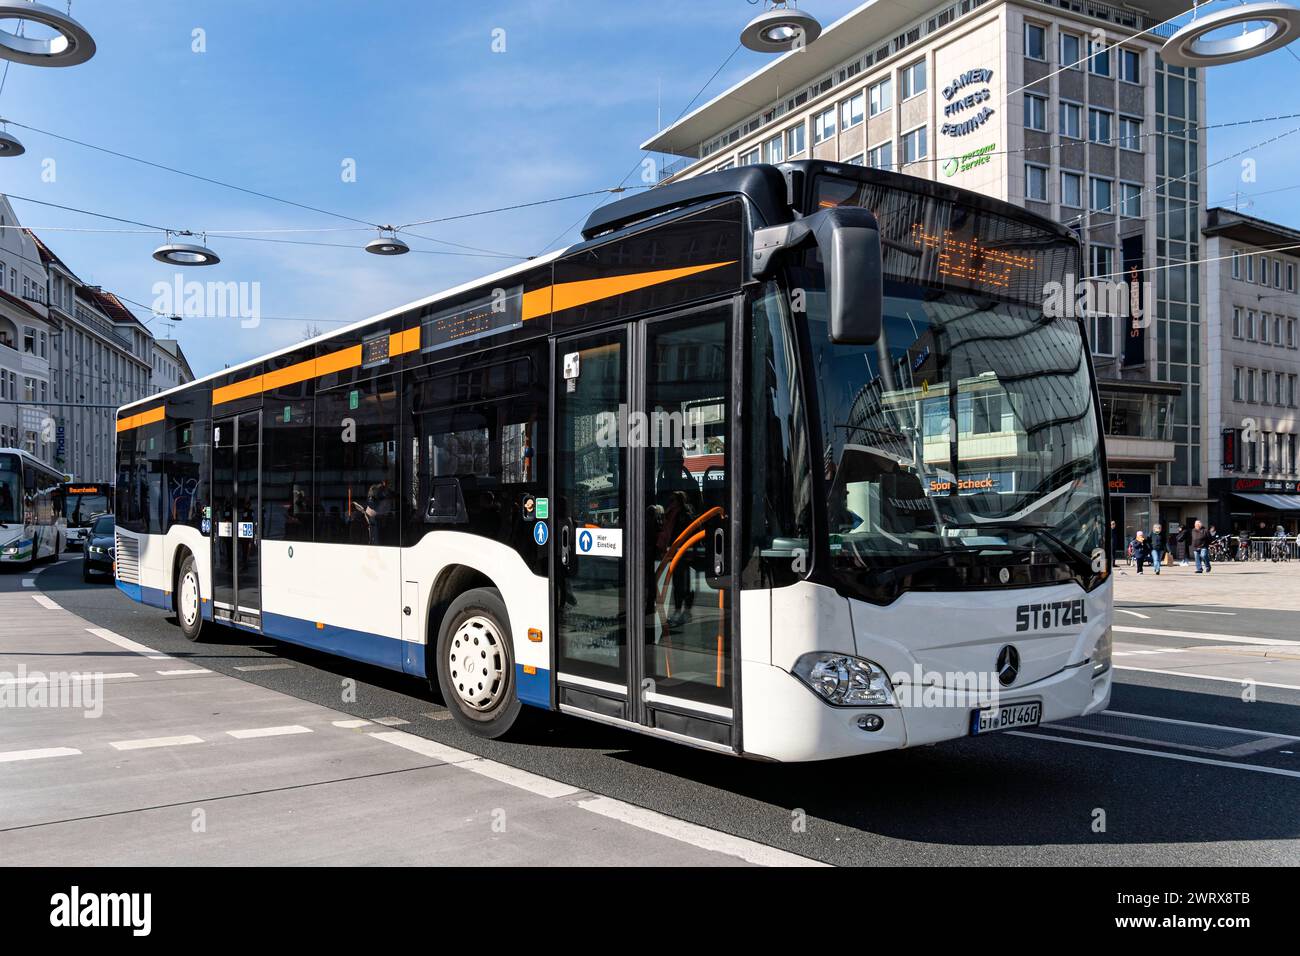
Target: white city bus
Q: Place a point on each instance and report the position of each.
(32, 525)
(785, 462)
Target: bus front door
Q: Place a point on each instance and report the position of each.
(236, 511)
(643, 484)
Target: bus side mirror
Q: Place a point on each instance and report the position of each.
(848, 241)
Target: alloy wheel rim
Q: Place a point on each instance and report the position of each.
(476, 663)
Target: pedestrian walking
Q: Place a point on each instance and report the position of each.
(1157, 547)
(1185, 544)
(1116, 542)
(1141, 550)
(1201, 546)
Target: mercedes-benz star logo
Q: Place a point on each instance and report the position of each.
(1008, 665)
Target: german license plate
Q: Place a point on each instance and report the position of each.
(1006, 717)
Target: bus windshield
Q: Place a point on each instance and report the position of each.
(11, 496)
(962, 450)
(80, 507)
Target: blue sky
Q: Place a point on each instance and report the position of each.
(437, 123)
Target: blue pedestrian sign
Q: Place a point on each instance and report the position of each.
(539, 532)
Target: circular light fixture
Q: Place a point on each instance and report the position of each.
(1280, 25)
(387, 246)
(73, 44)
(780, 29)
(9, 145)
(185, 254)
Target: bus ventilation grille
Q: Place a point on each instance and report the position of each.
(127, 556)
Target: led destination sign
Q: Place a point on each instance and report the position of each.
(498, 312)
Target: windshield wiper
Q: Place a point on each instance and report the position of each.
(1045, 530)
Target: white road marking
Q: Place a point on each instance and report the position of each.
(1278, 771)
(29, 582)
(424, 747)
(542, 786)
(265, 667)
(1239, 681)
(46, 603)
(1120, 610)
(1200, 636)
(43, 679)
(181, 673)
(14, 755)
(693, 834)
(391, 721)
(351, 724)
(1193, 723)
(127, 644)
(1187, 610)
(269, 732)
(148, 742)
(29, 679)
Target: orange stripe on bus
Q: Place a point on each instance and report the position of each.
(141, 418)
(570, 295)
(538, 302)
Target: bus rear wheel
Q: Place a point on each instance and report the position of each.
(189, 600)
(476, 664)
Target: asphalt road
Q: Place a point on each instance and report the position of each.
(1178, 789)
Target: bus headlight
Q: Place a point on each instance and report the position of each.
(1101, 654)
(845, 681)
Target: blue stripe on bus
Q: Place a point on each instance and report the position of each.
(364, 646)
(534, 689)
(358, 645)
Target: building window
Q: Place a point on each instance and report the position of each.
(1266, 443)
(851, 112)
(1035, 41)
(1277, 273)
(882, 157)
(1277, 330)
(1070, 49)
(29, 340)
(1099, 58)
(1130, 134)
(1236, 322)
(1072, 190)
(856, 160)
(1250, 325)
(1250, 385)
(914, 145)
(911, 80)
(1236, 264)
(748, 159)
(823, 126)
(1290, 333)
(1101, 193)
(1035, 112)
(1236, 383)
(1099, 126)
(1035, 182)
(1250, 268)
(1263, 270)
(1130, 200)
(1277, 389)
(1070, 120)
(794, 140)
(1290, 390)
(1290, 277)
(880, 96)
(1130, 66)
(774, 150)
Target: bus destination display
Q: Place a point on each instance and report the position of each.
(499, 312)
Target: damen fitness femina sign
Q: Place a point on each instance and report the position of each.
(969, 105)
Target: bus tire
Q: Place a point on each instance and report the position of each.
(189, 600)
(476, 664)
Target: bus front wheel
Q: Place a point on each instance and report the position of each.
(189, 603)
(476, 664)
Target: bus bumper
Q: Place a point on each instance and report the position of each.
(785, 720)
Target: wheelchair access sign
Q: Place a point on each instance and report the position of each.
(601, 542)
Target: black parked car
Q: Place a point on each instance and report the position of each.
(98, 554)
